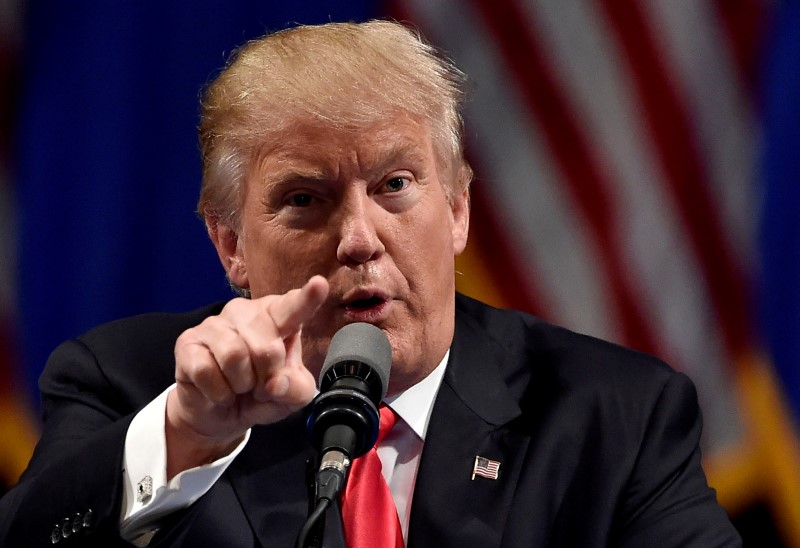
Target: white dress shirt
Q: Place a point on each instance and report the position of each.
(401, 449)
(148, 496)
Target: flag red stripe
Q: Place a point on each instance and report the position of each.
(668, 126)
(487, 232)
(571, 151)
(486, 228)
(744, 23)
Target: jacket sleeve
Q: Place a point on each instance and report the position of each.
(668, 501)
(70, 495)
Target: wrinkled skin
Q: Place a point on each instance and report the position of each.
(337, 226)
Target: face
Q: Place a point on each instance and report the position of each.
(368, 211)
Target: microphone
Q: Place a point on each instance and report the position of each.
(343, 419)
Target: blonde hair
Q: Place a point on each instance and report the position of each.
(342, 75)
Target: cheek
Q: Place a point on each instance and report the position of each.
(279, 260)
(428, 249)
(439, 236)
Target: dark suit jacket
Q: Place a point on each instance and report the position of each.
(598, 446)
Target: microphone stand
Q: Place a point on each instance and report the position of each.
(317, 530)
(323, 488)
(343, 420)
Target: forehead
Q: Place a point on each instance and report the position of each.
(322, 148)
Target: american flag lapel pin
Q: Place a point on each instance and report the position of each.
(486, 468)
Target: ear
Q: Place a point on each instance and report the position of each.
(229, 250)
(460, 228)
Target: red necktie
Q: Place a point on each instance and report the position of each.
(368, 510)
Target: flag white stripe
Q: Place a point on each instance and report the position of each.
(690, 36)
(554, 242)
(666, 276)
(554, 246)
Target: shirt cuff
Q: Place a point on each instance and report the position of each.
(147, 496)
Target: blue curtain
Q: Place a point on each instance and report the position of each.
(107, 160)
(780, 226)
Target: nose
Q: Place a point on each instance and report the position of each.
(359, 241)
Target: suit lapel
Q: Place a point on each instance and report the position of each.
(472, 416)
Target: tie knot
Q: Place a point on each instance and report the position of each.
(388, 420)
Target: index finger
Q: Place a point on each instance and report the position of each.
(290, 310)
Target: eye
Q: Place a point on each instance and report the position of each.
(300, 200)
(396, 184)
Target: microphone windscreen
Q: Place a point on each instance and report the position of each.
(363, 343)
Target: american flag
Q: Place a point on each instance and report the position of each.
(616, 146)
(485, 468)
(614, 168)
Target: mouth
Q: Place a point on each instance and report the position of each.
(366, 305)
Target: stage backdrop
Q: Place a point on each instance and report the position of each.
(637, 165)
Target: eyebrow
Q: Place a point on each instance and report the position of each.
(406, 149)
(403, 148)
(392, 154)
(295, 174)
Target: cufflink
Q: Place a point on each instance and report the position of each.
(144, 490)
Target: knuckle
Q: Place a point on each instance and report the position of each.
(273, 350)
(191, 360)
(232, 356)
(238, 307)
(187, 339)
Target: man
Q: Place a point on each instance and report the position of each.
(335, 190)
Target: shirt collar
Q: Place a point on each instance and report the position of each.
(414, 405)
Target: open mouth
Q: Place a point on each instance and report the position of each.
(364, 304)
